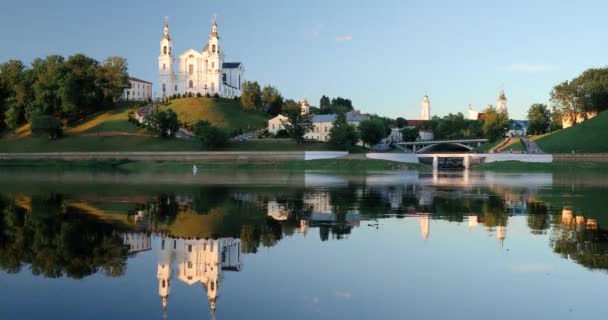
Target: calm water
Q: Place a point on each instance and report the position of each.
(313, 245)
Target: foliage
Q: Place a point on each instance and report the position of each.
(324, 105)
(400, 122)
(586, 93)
(342, 134)
(371, 131)
(410, 134)
(455, 126)
(251, 96)
(211, 137)
(297, 124)
(163, 122)
(539, 119)
(495, 124)
(282, 134)
(589, 137)
(272, 101)
(47, 125)
(67, 89)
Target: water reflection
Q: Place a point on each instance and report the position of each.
(198, 233)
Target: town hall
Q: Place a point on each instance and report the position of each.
(198, 72)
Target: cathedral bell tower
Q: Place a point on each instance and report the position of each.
(214, 61)
(165, 63)
(425, 109)
(501, 105)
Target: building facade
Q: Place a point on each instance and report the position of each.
(425, 109)
(198, 72)
(138, 90)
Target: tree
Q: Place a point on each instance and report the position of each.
(272, 101)
(47, 125)
(341, 105)
(324, 105)
(371, 131)
(400, 122)
(556, 119)
(210, 136)
(114, 79)
(410, 134)
(251, 96)
(342, 134)
(163, 122)
(495, 124)
(539, 118)
(297, 124)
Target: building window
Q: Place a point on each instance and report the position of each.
(190, 84)
(239, 82)
(189, 264)
(191, 69)
(164, 283)
(162, 244)
(212, 65)
(189, 248)
(212, 86)
(212, 48)
(325, 129)
(175, 87)
(164, 87)
(224, 78)
(165, 50)
(164, 66)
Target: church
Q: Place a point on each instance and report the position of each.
(198, 72)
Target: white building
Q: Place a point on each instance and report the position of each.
(425, 109)
(137, 241)
(138, 90)
(322, 123)
(501, 104)
(196, 261)
(203, 72)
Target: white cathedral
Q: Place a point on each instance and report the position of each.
(203, 72)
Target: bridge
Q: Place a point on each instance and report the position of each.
(468, 159)
(423, 146)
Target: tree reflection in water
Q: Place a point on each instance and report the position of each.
(55, 235)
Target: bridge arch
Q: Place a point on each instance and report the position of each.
(432, 146)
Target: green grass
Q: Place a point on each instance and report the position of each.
(518, 166)
(94, 143)
(488, 146)
(144, 166)
(223, 113)
(515, 145)
(590, 136)
(116, 120)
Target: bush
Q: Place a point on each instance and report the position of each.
(198, 95)
(163, 123)
(371, 131)
(47, 125)
(282, 134)
(343, 135)
(210, 137)
(216, 95)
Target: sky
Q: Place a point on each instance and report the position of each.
(384, 55)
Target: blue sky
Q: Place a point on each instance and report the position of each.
(384, 55)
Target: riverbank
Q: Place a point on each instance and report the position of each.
(518, 166)
(341, 164)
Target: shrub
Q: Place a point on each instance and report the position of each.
(164, 123)
(47, 125)
(282, 134)
(207, 95)
(210, 137)
(216, 95)
(198, 95)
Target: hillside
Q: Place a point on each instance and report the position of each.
(590, 136)
(224, 113)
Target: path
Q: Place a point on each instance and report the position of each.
(531, 145)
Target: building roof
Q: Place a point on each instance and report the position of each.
(231, 65)
(350, 117)
(138, 80)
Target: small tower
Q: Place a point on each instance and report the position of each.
(425, 109)
(214, 60)
(163, 274)
(425, 226)
(501, 105)
(304, 107)
(165, 62)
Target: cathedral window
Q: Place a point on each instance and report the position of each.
(165, 50)
(189, 248)
(175, 87)
(212, 65)
(189, 264)
(191, 69)
(212, 86)
(224, 78)
(164, 283)
(164, 87)
(164, 66)
(190, 84)
(212, 48)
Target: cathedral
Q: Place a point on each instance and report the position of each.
(198, 72)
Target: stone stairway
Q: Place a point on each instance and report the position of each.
(531, 145)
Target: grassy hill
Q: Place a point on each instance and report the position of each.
(224, 113)
(590, 136)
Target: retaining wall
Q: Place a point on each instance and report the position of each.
(227, 156)
(580, 157)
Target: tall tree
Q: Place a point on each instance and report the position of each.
(272, 101)
(539, 118)
(342, 134)
(115, 78)
(410, 134)
(251, 95)
(371, 131)
(401, 122)
(340, 105)
(297, 124)
(495, 124)
(324, 105)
